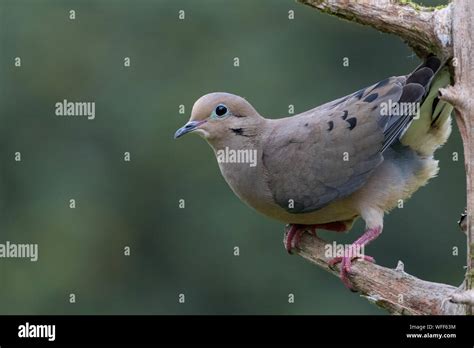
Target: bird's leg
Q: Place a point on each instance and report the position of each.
(369, 235)
(293, 236)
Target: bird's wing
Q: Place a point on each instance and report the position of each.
(329, 152)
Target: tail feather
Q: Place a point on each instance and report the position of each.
(431, 62)
(416, 87)
(422, 76)
(433, 127)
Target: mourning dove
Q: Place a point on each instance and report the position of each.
(357, 156)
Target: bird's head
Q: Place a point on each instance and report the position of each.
(217, 116)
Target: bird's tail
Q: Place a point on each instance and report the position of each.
(433, 126)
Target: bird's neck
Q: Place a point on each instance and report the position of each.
(240, 137)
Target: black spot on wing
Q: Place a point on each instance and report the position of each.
(371, 97)
(331, 125)
(345, 114)
(352, 122)
(359, 94)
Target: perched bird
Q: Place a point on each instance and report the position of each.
(357, 156)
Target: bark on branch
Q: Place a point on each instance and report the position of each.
(392, 289)
(446, 32)
(460, 96)
(426, 30)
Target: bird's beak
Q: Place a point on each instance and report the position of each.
(188, 127)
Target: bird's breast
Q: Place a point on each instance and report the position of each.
(243, 174)
(249, 184)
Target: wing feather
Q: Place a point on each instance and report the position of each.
(329, 152)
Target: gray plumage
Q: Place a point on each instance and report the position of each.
(331, 164)
(349, 158)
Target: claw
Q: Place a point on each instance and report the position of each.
(346, 266)
(346, 261)
(293, 237)
(295, 232)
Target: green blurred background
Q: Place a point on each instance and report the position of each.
(135, 203)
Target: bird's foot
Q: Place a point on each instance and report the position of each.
(346, 263)
(294, 234)
(355, 251)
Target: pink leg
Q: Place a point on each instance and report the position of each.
(368, 236)
(293, 236)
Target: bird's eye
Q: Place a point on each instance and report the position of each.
(221, 110)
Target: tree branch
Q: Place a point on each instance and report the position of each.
(392, 289)
(446, 32)
(460, 96)
(465, 297)
(426, 30)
